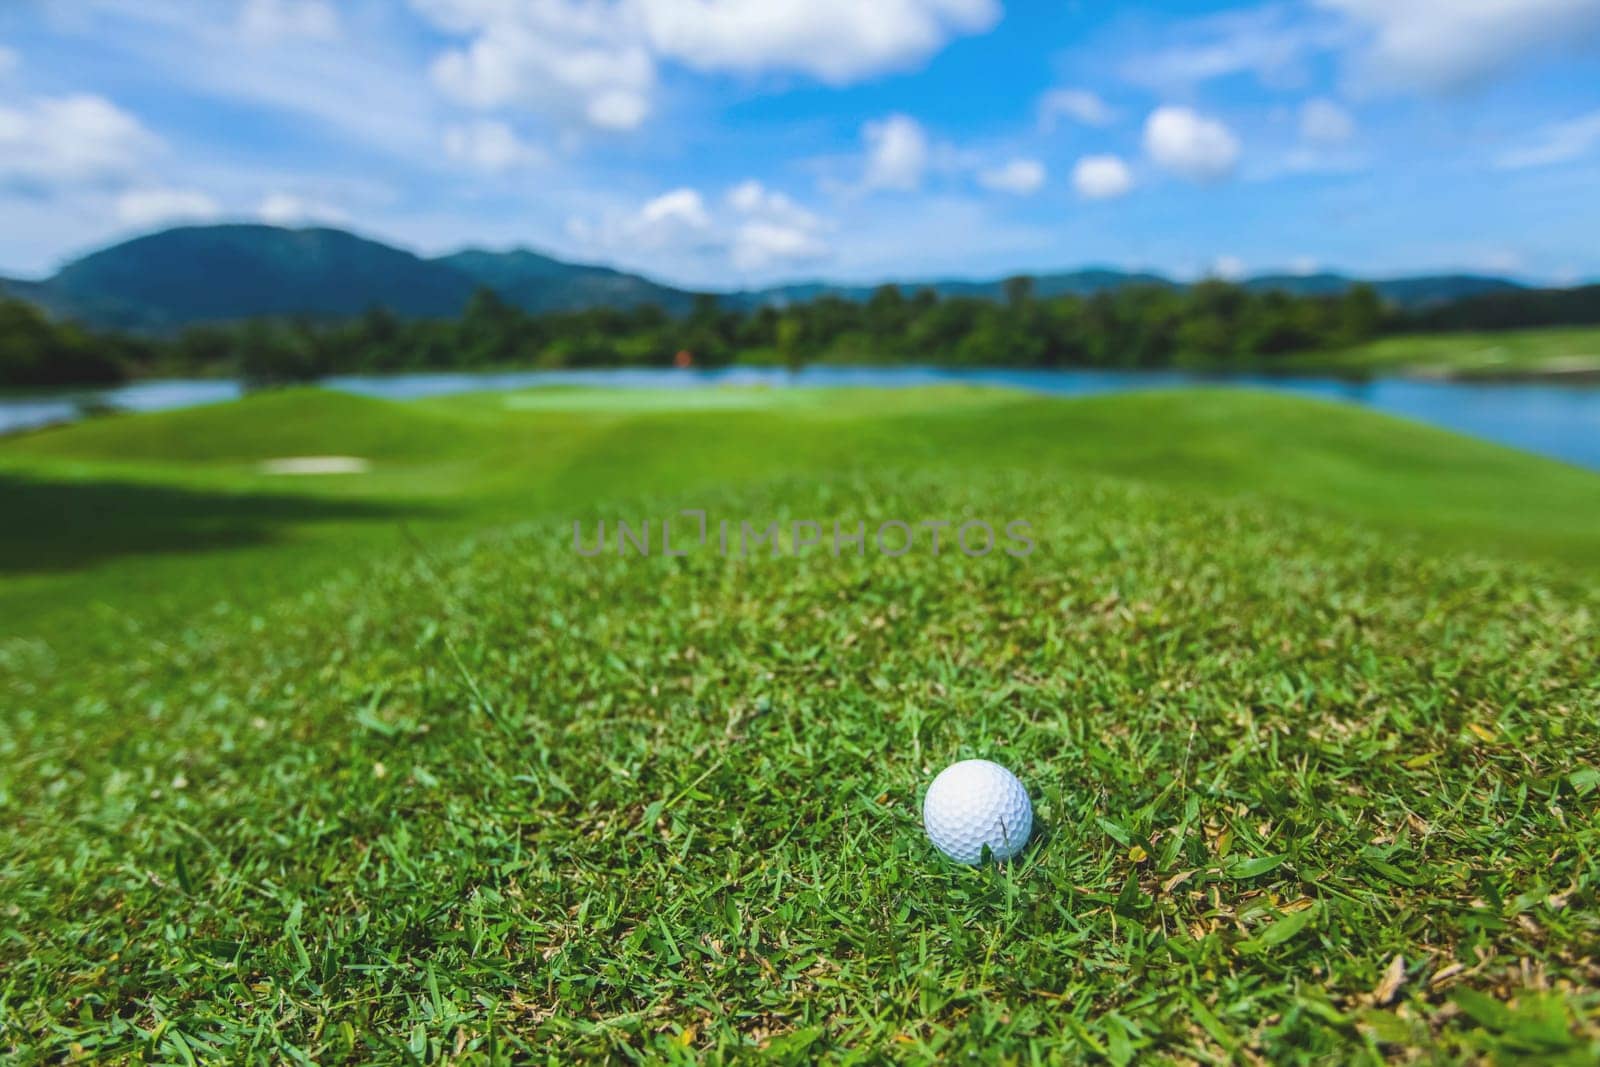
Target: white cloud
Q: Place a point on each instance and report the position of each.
(152, 207)
(1190, 144)
(270, 21)
(1273, 43)
(489, 145)
(753, 228)
(1426, 45)
(1324, 122)
(1326, 130)
(71, 139)
(681, 205)
(897, 153)
(772, 230)
(758, 245)
(1080, 105)
(674, 223)
(595, 62)
(1101, 177)
(288, 209)
(1019, 177)
(835, 41)
(1556, 143)
(1444, 45)
(1304, 265)
(1229, 268)
(617, 109)
(370, 95)
(751, 198)
(570, 61)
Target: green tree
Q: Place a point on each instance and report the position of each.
(1018, 291)
(938, 333)
(36, 351)
(887, 316)
(1360, 314)
(790, 340)
(488, 331)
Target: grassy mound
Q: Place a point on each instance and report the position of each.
(478, 797)
(291, 422)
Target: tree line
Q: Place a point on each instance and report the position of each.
(1516, 309)
(1210, 325)
(34, 350)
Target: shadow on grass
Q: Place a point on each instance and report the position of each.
(63, 525)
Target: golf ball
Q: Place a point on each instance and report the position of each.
(976, 803)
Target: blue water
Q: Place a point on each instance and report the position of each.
(1561, 421)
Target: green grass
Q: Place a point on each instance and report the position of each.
(373, 766)
(657, 400)
(1500, 354)
(183, 481)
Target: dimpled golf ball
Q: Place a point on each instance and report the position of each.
(976, 803)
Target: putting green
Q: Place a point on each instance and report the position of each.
(653, 400)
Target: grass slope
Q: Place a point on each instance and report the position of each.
(473, 797)
(119, 506)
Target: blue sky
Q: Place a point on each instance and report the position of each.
(740, 142)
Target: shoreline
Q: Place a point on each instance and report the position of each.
(1580, 371)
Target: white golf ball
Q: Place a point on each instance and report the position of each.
(976, 803)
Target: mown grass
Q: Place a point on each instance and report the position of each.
(216, 527)
(1498, 354)
(1287, 714)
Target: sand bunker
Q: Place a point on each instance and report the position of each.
(315, 465)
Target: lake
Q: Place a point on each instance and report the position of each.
(1560, 421)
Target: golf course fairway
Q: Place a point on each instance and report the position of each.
(375, 766)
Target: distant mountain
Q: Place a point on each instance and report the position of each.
(1418, 292)
(227, 272)
(1074, 283)
(217, 273)
(1442, 289)
(1091, 280)
(236, 271)
(536, 282)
